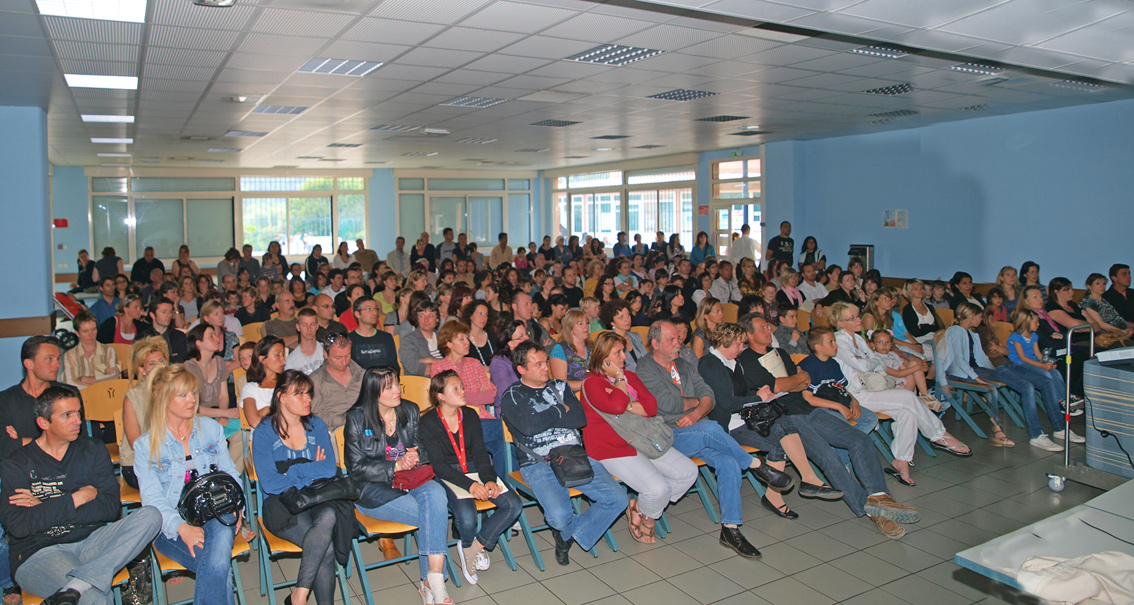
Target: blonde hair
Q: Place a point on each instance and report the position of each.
(882, 320)
(1022, 320)
(165, 384)
(966, 310)
(704, 309)
(836, 311)
(147, 391)
(727, 334)
(207, 309)
(785, 274)
(573, 318)
(588, 301)
(145, 347)
(910, 283)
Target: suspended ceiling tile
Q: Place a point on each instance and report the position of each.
(469, 77)
(311, 23)
(186, 37)
(546, 47)
(837, 23)
(252, 76)
(508, 64)
(178, 72)
(596, 28)
(104, 68)
(449, 11)
(1039, 20)
(436, 57)
(265, 62)
(669, 37)
(365, 51)
(182, 56)
(28, 47)
(518, 17)
(187, 14)
(93, 30)
(469, 39)
(759, 10)
(627, 75)
(292, 46)
(924, 15)
(1112, 40)
(389, 31)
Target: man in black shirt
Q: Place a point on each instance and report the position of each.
(40, 357)
(1119, 294)
(161, 320)
(371, 347)
(781, 247)
(60, 503)
(143, 267)
(571, 286)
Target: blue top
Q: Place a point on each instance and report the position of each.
(621, 249)
(698, 255)
(822, 371)
(103, 310)
(899, 327)
(576, 365)
(279, 467)
(1029, 345)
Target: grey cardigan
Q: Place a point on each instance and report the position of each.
(413, 347)
(657, 380)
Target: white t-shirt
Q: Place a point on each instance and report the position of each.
(252, 390)
(296, 360)
(816, 293)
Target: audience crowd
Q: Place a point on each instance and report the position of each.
(643, 364)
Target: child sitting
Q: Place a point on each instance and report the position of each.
(590, 307)
(788, 336)
(937, 298)
(908, 371)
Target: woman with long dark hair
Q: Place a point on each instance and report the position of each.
(381, 440)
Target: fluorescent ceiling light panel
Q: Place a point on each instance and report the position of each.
(108, 119)
(346, 145)
(476, 141)
(339, 67)
(897, 113)
(114, 155)
(224, 150)
(478, 102)
(1078, 85)
(284, 109)
(111, 140)
(721, 118)
(886, 52)
(890, 91)
(395, 127)
(218, 3)
(132, 11)
(420, 154)
(244, 133)
(614, 54)
(109, 82)
(555, 123)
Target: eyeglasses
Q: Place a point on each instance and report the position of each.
(852, 318)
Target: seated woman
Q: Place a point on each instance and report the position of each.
(616, 314)
(292, 448)
(1007, 281)
(397, 320)
(212, 377)
(568, 360)
(701, 250)
(381, 440)
(177, 444)
(268, 361)
(476, 384)
(1062, 308)
(709, 316)
(149, 353)
(748, 277)
(961, 290)
(1053, 339)
(90, 361)
(558, 304)
(725, 377)
(1100, 312)
(967, 362)
(612, 390)
(212, 313)
(1030, 276)
(479, 317)
(451, 435)
(846, 290)
(671, 301)
(418, 349)
(706, 281)
(789, 288)
(910, 414)
(1029, 364)
(920, 320)
(125, 326)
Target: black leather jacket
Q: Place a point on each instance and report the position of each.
(365, 451)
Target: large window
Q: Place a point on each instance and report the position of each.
(737, 200)
(481, 206)
(300, 212)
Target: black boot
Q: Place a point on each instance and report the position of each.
(777, 480)
(561, 548)
(732, 538)
(69, 596)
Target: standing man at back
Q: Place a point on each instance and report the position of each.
(745, 247)
(782, 247)
(501, 254)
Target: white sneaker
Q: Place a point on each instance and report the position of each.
(1076, 402)
(1058, 436)
(467, 567)
(482, 561)
(1044, 442)
(1075, 411)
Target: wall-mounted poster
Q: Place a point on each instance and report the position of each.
(897, 218)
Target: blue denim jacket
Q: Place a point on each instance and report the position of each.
(161, 485)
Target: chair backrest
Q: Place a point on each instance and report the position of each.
(125, 354)
(1002, 329)
(803, 319)
(416, 389)
(398, 347)
(644, 332)
(338, 439)
(798, 357)
(821, 319)
(731, 311)
(252, 331)
(946, 315)
(100, 400)
(237, 373)
(119, 431)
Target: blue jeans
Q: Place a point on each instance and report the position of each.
(94, 559)
(1026, 380)
(867, 421)
(708, 441)
(211, 563)
(821, 433)
(992, 397)
(496, 522)
(6, 570)
(424, 507)
(608, 500)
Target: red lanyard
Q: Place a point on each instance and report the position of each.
(460, 449)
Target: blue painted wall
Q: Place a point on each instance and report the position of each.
(26, 228)
(1052, 186)
(69, 201)
(382, 212)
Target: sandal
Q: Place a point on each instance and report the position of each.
(960, 450)
(13, 596)
(893, 472)
(931, 402)
(999, 439)
(649, 533)
(634, 520)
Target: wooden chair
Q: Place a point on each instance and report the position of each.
(731, 311)
(376, 528)
(644, 332)
(798, 357)
(946, 316)
(397, 347)
(119, 581)
(515, 481)
(416, 389)
(804, 320)
(125, 354)
(99, 404)
(252, 332)
(820, 320)
(1002, 329)
(275, 547)
(130, 496)
(164, 567)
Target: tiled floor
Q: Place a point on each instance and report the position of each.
(826, 556)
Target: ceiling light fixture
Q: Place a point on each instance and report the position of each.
(109, 119)
(890, 91)
(224, 150)
(682, 94)
(614, 54)
(1078, 85)
(649, 146)
(604, 149)
(752, 127)
(281, 109)
(555, 123)
(108, 82)
(476, 141)
(395, 128)
(721, 118)
(897, 113)
(131, 11)
(478, 102)
(339, 67)
(114, 155)
(886, 52)
(346, 145)
(977, 68)
(420, 154)
(244, 133)
(112, 140)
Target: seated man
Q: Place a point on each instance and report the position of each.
(684, 400)
(543, 414)
(60, 505)
(283, 326)
(336, 383)
(822, 431)
(307, 356)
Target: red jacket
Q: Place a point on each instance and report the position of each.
(599, 438)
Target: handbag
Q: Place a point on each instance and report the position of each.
(760, 416)
(569, 463)
(210, 496)
(649, 435)
(1108, 339)
(412, 478)
(877, 381)
(339, 487)
(833, 391)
